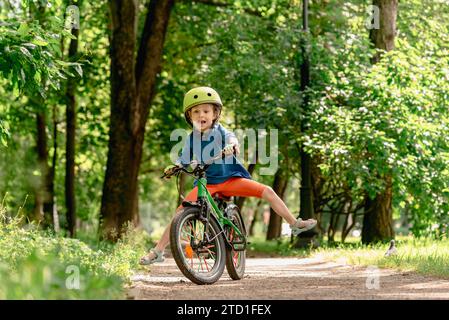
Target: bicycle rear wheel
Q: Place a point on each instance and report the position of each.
(235, 259)
(199, 254)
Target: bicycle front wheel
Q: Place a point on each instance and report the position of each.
(197, 247)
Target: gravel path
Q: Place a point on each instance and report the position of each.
(289, 278)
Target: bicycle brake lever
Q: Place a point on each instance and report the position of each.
(166, 176)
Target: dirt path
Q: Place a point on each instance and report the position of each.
(290, 278)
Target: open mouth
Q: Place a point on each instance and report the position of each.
(203, 122)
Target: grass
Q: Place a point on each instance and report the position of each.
(281, 247)
(423, 256)
(38, 265)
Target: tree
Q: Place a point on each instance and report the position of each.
(133, 83)
(30, 50)
(378, 217)
(370, 121)
(275, 223)
(70, 136)
(44, 195)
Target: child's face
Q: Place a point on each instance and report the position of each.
(203, 116)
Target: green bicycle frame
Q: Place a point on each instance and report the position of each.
(204, 193)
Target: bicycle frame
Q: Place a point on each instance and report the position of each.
(205, 196)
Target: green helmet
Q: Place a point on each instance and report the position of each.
(198, 96)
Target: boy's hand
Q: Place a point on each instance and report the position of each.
(229, 149)
(170, 169)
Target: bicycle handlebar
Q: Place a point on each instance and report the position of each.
(205, 165)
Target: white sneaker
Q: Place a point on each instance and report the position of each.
(158, 256)
(309, 224)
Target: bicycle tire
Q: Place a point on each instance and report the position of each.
(235, 260)
(181, 255)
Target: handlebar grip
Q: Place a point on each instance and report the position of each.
(173, 172)
(234, 152)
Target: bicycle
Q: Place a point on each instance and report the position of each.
(208, 234)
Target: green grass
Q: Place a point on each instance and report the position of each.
(281, 247)
(423, 256)
(37, 265)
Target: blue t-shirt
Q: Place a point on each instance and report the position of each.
(204, 146)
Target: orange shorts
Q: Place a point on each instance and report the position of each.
(240, 187)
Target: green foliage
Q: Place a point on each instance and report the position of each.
(92, 94)
(44, 277)
(37, 265)
(391, 119)
(29, 56)
(364, 122)
(4, 133)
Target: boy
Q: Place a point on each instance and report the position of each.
(202, 110)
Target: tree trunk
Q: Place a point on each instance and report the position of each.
(53, 167)
(181, 186)
(317, 193)
(41, 153)
(43, 208)
(70, 200)
(132, 90)
(378, 220)
(306, 210)
(383, 38)
(252, 223)
(275, 224)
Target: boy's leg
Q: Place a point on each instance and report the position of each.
(278, 205)
(250, 188)
(281, 209)
(165, 239)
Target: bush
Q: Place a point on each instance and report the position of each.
(37, 265)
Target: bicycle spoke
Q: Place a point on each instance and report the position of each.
(185, 231)
(235, 258)
(205, 262)
(211, 254)
(202, 259)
